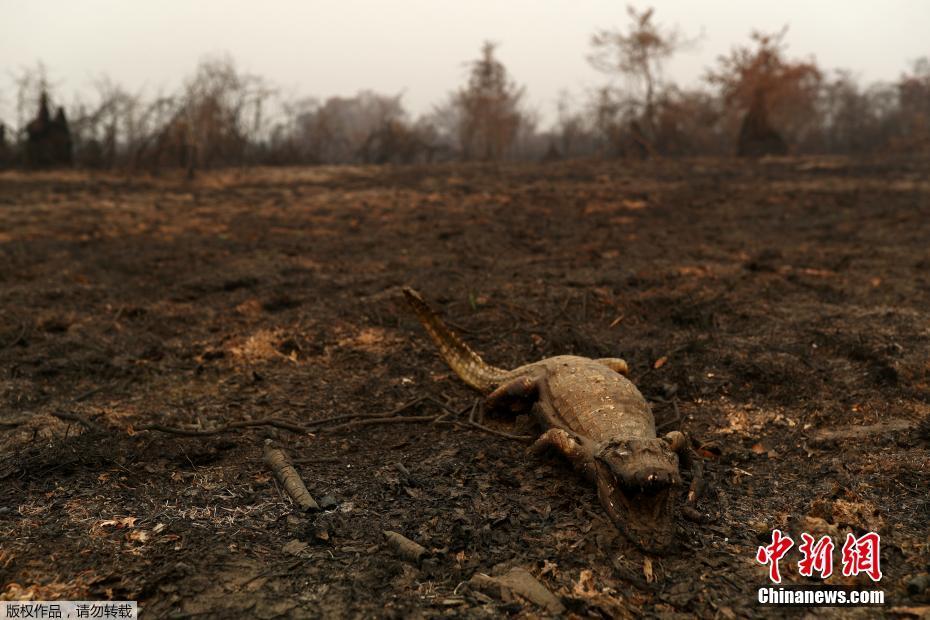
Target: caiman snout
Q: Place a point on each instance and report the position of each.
(640, 463)
(651, 478)
(636, 479)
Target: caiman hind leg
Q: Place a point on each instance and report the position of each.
(514, 396)
(678, 442)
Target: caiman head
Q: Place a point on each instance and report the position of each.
(636, 483)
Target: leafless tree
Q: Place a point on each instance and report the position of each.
(638, 54)
(914, 106)
(488, 107)
(219, 114)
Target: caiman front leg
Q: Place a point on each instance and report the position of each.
(616, 364)
(679, 444)
(568, 445)
(578, 450)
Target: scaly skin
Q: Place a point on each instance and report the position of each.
(590, 399)
(593, 415)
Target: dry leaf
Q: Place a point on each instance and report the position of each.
(139, 536)
(119, 523)
(585, 585)
(647, 570)
(549, 568)
(660, 362)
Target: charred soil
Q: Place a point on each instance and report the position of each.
(776, 311)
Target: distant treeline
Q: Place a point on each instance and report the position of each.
(756, 101)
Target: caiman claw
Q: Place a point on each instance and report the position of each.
(679, 444)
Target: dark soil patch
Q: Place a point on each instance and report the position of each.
(787, 297)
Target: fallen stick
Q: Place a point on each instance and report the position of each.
(192, 432)
(73, 417)
(386, 414)
(372, 421)
(352, 420)
(518, 581)
(277, 461)
(302, 429)
(405, 548)
(823, 436)
(488, 429)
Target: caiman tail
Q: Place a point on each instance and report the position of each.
(466, 363)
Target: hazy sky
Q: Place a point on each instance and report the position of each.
(419, 47)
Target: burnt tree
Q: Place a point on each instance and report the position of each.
(48, 140)
(4, 149)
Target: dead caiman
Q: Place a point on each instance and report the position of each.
(595, 417)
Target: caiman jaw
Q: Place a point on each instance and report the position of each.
(644, 516)
(635, 483)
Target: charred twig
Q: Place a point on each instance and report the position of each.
(270, 573)
(518, 581)
(488, 429)
(860, 433)
(302, 429)
(191, 432)
(85, 395)
(277, 461)
(88, 393)
(22, 332)
(515, 311)
(375, 420)
(673, 421)
(391, 417)
(353, 420)
(73, 417)
(472, 332)
(15, 423)
(316, 460)
(442, 418)
(474, 410)
(561, 312)
(388, 414)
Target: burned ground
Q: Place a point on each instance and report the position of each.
(775, 310)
